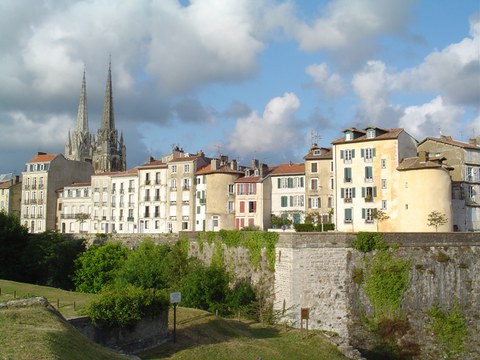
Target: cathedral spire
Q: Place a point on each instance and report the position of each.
(82, 114)
(108, 120)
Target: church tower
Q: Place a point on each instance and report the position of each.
(79, 143)
(109, 154)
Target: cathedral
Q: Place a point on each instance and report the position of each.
(105, 151)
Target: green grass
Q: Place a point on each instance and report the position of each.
(65, 298)
(37, 333)
(202, 336)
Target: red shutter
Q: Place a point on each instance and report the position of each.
(254, 188)
(242, 206)
(251, 222)
(242, 223)
(237, 224)
(254, 206)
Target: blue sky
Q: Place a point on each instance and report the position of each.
(245, 78)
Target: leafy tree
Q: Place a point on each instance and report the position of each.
(278, 222)
(380, 215)
(13, 240)
(48, 259)
(97, 267)
(206, 288)
(242, 297)
(122, 307)
(154, 266)
(369, 241)
(436, 219)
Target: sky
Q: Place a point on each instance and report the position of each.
(249, 79)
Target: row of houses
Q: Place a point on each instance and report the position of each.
(363, 172)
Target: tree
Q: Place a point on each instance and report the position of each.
(278, 222)
(81, 218)
(436, 219)
(380, 215)
(98, 266)
(13, 240)
(48, 259)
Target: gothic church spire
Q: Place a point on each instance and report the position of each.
(82, 114)
(108, 119)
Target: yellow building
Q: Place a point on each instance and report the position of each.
(367, 180)
(10, 194)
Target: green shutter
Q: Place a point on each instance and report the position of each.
(362, 153)
(278, 182)
(374, 191)
(341, 154)
(353, 192)
(363, 192)
(301, 182)
(291, 200)
(374, 152)
(363, 213)
(290, 183)
(353, 153)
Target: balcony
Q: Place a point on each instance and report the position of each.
(157, 181)
(173, 218)
(130, 219)
(369, 198)
(185, 202)
(130, 190)
(186, 187)
(173, 202)
(368, 221)
(104, 189)
(347, 200)
(173, 188)
(369, 180)
(96, 203)
(146, 215)
(156, 215)
(202, 201)
(131, 204)
(113, 191)
(27, 187)
(122, 191)
(113, 205)
(185, 217)
(40, 186)
(120, 218)
(104, 218)
(348, 221)
(147, 182)
(96, 189)
(121, 204)
(34, 186)
(347, 180)
(146, 198)
(104, 203)
(156, 198)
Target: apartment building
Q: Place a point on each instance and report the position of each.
(253, 198)
(319, 189)
(153, 192)
(74, 206)
(43, 175)
(365, 163)
(215, 199)
(464, 159)
(288, 191)
(181, 190)
(124, 201)
(10, 194)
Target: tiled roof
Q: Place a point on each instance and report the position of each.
(414, 163)
(186, 158)
(290, 168)
(326, 154)
(6, 184)
(79, 184)
(43, 158)
(153, 164)
(449, 141)
(390, 134)
(220, 170)
(249, 179)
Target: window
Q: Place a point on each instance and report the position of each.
(313, 202)
(332, 184)
(284, 201)
(384, 183)
(347, 194)
(313, 167)
(369, 193)
(252, 206)
(173, 184)
(368, 173)
(184, 225)
(186, 184)
(317, 152)
(367, 215)
(147, 178)
(241, 189)
(348, 136)
(231, 206)
(348, 215)
(186, 168)
(174, 169)
(347, 155)
(296, 218)
(330, 202)
(368, 154)
(215, 221)
(370, 133)
(252, 188)
(331, 166)
(314, 184)
(231, 189)
(383, 163)
(471, 192)
(347, 174)
(384, 204)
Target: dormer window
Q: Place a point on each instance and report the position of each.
(317, 152)
(255, 173)
(370, 133)
(348, 136)
(247, 173)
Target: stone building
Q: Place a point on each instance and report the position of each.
(43, 175)
(464, 159)
(10, 194)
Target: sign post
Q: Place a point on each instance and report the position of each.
(175, 298)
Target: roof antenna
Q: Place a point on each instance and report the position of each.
(314, 137)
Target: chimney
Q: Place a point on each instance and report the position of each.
(150, 159)
(41, 153)
(233, 165)
(255, 163)
(214, 164)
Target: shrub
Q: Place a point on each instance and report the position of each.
(97, 267)
(13, 240)
(122, 307)
(449, 328)
(304, 227)
(242, 297)
(369, 241)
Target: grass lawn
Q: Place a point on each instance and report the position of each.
(202, 336)
(65, 298)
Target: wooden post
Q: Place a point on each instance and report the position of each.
(14, 294)
(74, 306)
(58, 304)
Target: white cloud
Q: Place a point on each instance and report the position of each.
(329, 84)
(453, 72)
(274, 130)
(374, 85)
(431, 119)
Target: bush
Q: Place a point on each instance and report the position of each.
(97, 267)
(49, 259)
(242, 297)
(122, 307)
(369, 241)
(304, 227)
(206, 288)
(13, 240)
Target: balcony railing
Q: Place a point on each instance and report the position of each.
(96, 189)
(147, 182)
(40, 186)
(185, 202)
(131, 204)
(347, 180)
(146, 215)
(202, 201)
(186, 187)
(121, 204)
(130, 219)
(104, 189)
(156, 215)
(156, 198)
(130, 190)
(146, 198)
(347, 200)
(369, 179)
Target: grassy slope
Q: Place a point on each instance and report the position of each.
(201, 335)
(36, 333)
(66, 298)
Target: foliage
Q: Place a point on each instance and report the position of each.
(450, 329)
(385, 282)
(357, 275)
(380, 215)
(121, 307)
(97, 267)
(13, 240)
(218, 257)
(153, 266)
(278, 222)
(369, 241)
(241, 298)
(309, 227)
(436, 219)
(49, 259)
(205, 288)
